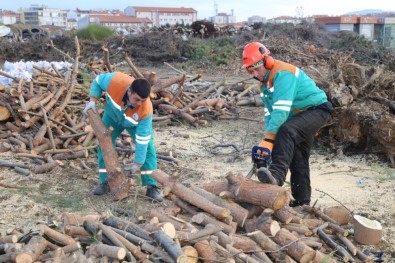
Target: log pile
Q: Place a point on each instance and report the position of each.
(41, 119)
(198, 225)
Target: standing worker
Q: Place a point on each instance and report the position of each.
(129, 107)
(295, 109)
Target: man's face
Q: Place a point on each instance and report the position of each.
(258, 72)
(134, 99)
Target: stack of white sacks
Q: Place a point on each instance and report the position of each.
(24, 70)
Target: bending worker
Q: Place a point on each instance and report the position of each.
(295, 109)
(129, 107)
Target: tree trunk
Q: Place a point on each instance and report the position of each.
(118, 182)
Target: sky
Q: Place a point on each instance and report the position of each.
(242, 9)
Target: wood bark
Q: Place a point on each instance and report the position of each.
(267, 244)
(127, 226)
(100, 250)
(118, 182)
(250, 191)
(295, 249)
(190, 196)
(238, 213)
(171, 247)
(206, 252)
(339, 250)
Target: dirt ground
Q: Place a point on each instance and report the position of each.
(364, 183)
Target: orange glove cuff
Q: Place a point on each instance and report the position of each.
(266, 144)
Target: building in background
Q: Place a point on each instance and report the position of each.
(338, 23)
(223, 19)
(9, 17)
(163, 16)
(36, 16)
(255, 20)
(120, 23)
(385, 31)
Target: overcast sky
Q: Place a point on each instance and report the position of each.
(205, 8)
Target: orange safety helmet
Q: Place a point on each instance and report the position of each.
(256, 54)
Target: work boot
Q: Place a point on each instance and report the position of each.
(102, 189)
(154, 193)
(295, 203)
(265, 176)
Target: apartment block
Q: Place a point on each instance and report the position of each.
(162, 16)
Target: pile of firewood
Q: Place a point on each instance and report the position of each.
(41, 119)
(238, 220)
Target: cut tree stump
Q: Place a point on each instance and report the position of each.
(366, 231)
(119, 184)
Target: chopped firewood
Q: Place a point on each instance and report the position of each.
(253, 192)
(338, 213)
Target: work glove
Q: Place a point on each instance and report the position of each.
(90, 105)
(261, 156)
(267, 145)
(133, 168)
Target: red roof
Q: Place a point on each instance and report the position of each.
(164, 9)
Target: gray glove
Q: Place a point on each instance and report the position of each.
(90, 105)
(133, 168)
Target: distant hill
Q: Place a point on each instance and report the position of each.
(369, 12)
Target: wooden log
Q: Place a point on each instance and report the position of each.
(60, 250)
(321, 257)
(182, 204)
(55, 235)
(174, 110)
(205, 251)
(203, 95)
(204, 219)
(45, 167)
(216, 187)
(5, 114)
(295, 249)
(350, 246)
(127, 226)
(339, 250)
(17, 257)
(163, 217)
(247, 244)
(76, 231)
(298, 228)
(250, 191)
(145, 246)
(135, 250)
(267, 244)
(239, 254)
(9, 239)
(207, 231)
(119, 184)
(77, 219)
(191, 254)
(107, 231)
(100, 250)
(161, 84)
(190, 196)
(265, 223)
(35, 247)
(284, 214)
(166, 227)
(170, 246)
(238, 213)
(338, 213)
(72, 155)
